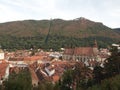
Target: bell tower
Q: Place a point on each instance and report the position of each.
(95, 48)
(95, 44)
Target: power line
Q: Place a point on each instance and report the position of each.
(46, 40)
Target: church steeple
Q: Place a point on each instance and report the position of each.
(95, 43)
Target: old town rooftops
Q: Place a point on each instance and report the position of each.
(3, 67)
(87, 51)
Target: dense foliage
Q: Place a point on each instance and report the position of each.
(45, 85)
(108, 84)
(112, 64)
(62, 33)
(108, 78)
(78, 78)
(19, 81)
(55, 42)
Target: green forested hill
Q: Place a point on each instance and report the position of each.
(77, 32)
(80, 28)
(117, 30)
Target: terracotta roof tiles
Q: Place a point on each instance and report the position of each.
(32, 58)
(3, 67)
(87, 51)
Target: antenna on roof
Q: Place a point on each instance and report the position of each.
(46, 40)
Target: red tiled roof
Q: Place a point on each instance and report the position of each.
(32, 58)
(3, 67)
(88, 51)
(16, 59)
(69, 51)
(34, 76)
(56, 78)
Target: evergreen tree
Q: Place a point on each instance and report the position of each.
(112, 64)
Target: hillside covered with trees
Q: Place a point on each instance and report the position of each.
(55, 34)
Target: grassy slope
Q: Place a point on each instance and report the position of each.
(76, 28)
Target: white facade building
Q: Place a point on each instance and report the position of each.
(1, 54)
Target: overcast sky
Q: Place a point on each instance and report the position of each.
(105, 11)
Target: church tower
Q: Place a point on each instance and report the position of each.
(95, 47)
(95, 44)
